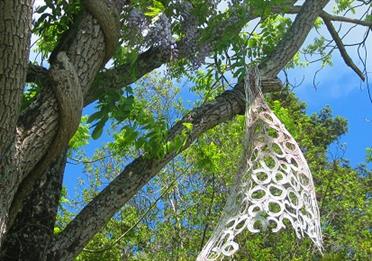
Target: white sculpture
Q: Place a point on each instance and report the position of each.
(273, 183)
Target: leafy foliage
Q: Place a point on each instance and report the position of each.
(219, 43)
(174, 225)
(56, 17)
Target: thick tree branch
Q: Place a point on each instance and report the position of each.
(72, 240)
(37, 74)
(97, 213)
(68, 92)
(47, 126)
(86, 50)
(34, 225)
(153, 58)
(39, 124)
(347, 59)
(294, 38)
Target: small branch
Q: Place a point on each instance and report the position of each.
(37, 74)
(83, 161)
(153, 58)
(342, 49)
(337, 18)
(208, 214)
(103, 249)
(293, 39)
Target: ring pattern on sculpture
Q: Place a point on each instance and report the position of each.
(273, 184)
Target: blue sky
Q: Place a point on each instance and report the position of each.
(338, 86)
(341, 89)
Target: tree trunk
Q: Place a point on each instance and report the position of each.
(32, 231)
(15, 33)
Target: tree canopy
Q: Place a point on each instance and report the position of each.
(173, 216)
(180, 159)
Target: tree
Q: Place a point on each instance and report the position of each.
(40, 108)
(174, 215)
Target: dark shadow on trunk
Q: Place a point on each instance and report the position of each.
(32, 229)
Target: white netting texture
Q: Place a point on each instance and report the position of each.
(273, 183)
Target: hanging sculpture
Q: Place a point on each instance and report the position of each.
(273, 183)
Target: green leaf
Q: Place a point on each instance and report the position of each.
(96, 116)
(97, 132)
(154, 10)
(187, 125)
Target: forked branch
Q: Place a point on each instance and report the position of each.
(345, 56)
(226, 106)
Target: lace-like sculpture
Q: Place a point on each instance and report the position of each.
(273, 183)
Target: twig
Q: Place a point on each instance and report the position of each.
(324, 15)
(100, 250)
(337, 18)
(209, 214)
(342, 49)
(88, 161)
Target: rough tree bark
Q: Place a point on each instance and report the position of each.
(31, 147)
(32, 230)
(31, 177)
(15, 26)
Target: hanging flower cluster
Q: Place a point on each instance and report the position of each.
(154, 33)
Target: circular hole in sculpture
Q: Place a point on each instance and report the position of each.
(290, 210)
(286, 222)
(294, 183)
(310, 215)
(256, 128)
(304, 180)
(223, 238)
(306, 197)
(293, 198)
(293, 163)
(260, 109)
(303, 211)
(275, 208)
(302, 222)
(273, 133)
(253, 210)
(267, 117)
(258, 194)
(230, 248)
(230, 223)
(269, 162)
(258, 224)
(241, 224)
(290, 146)
(277, 149)
(265, 148)
(244, 206)
(213, 255)
(273, 225)
(279, 177)
(276, 191)
(260, 177)
(285, 167)
(286, 137)
(239, 197)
